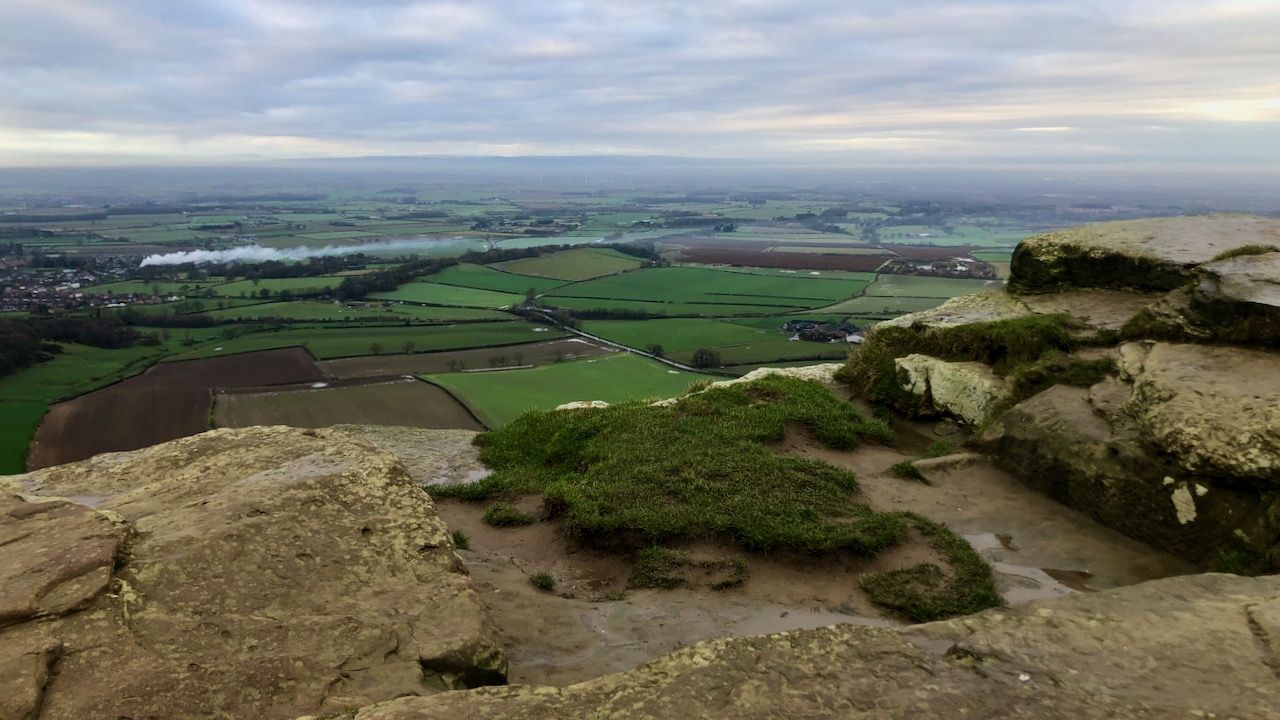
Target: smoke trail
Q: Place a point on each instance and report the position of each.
(258, 253)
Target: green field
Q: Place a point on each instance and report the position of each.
(769, 349)
(484, 277)
(327, 343)
(572, 264)
(339, 235)
(661, 308)
(699, 285)
(436, 294)
(304, 311)
(275, 285)
(878, 305)
(501, 396)
(676, 334)
(19, 421)
(918, 286)
(140, 287)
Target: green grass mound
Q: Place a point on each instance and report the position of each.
(506, 515)
(659, 567)
(698, 468)
(927, 592)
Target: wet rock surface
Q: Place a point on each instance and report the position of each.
(1195, 646)
(259, 573)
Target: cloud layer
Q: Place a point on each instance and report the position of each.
(1173, 81)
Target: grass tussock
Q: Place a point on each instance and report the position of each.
(927, 592)
(543, 581)
(461, 541)
(506, 515)
(664, 568)
(698, 468)
(1243, 251)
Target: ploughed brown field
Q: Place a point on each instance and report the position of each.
(539, 353)
(785, 260)
(928, 252)
(169, 401)
(400, 402)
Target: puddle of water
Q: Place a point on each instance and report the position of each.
(470, 477)
(1028, 583)
(768, 621)
(1075, 579)
(90, 500)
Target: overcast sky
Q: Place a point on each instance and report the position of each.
(867, 81)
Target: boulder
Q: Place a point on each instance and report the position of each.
(969, 391)
(262, 572)
(1081, 447)
(1197, 646)
(1150, 254)
(1238, 300)
(1216, 409)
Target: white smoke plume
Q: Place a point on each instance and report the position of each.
(258, 253)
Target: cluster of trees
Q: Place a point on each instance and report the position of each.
(20, 346)
(31, 340)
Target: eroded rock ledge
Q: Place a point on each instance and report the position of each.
(257, 573)
(1131, 371)
(1198, 646)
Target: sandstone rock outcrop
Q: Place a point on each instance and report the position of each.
(1198, 646)
(257, 573)
(1151, 402)
(969, 391)
(1158, 254)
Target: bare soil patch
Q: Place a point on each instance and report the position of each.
(408, 403)
(540, 353)
(784, 260)
(168, 401)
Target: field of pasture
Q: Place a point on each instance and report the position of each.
(499, 397)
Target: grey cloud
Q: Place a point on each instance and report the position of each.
(755, 78)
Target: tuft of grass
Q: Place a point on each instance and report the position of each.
(664, 568)
(543, 581)
(506, 515)
(906, 469)
(926, 592)
(735, 572)
(1246, 250)
(698, 468)
(461, 541)
(938, 449)
(658, 567)
(698, 386)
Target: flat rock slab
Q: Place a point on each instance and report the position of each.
(1215, 408)
(1182, 647)
(1251, 279)
(58, 556)
(432, 457)
(1096, 309)
(269, 573)
(1150, 253)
